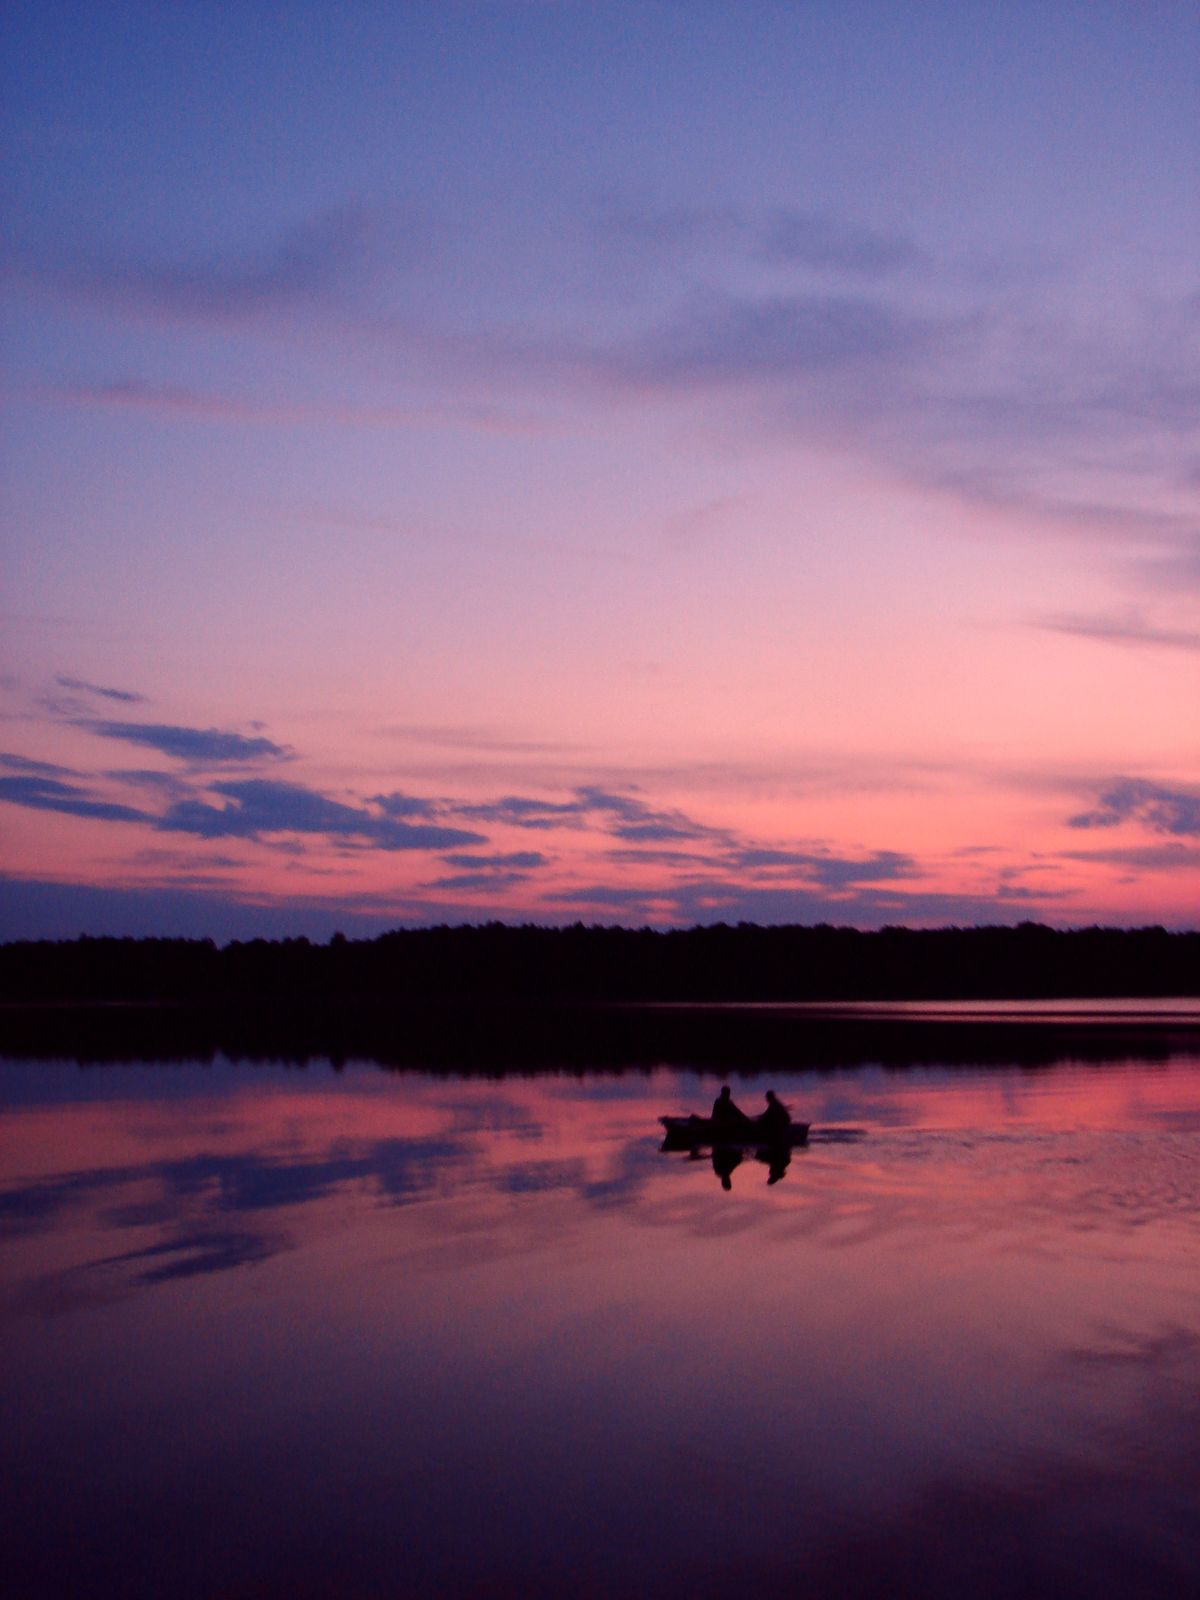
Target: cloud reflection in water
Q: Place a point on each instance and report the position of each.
(960, 1347)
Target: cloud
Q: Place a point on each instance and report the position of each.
(127, 696)
(709, 900)
(832, 872)
(478, 880)
(727, 339)
(204, 746)
(951, 381)
(37, 908)
(664, 858)
(496, 870)
(632, 820)
(403, 805)
(824, 242)
(1144, 858)
(48, 769)
(673, 227)
(523, 811)
(652, 832)
(1161, 810)
(819, 241)
(1127, 628)
(258, 807)
(523, 859)
(194, 1254)
(303, 265)
(49, 794)
(164, 783)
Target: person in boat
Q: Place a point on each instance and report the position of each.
(776, 1119)
(725, 1112)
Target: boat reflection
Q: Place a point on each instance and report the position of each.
(727, 1158)
(729, 1134)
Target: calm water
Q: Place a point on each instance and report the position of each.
(268, 1331)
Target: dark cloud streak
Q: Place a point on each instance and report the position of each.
(1130, 629)
(49, 794)
(126, 696)
(47, 769)
(303, 266)
(259, 806)
(202, 746)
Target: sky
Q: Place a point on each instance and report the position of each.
(569, 460)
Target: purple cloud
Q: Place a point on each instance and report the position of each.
(709, 900)
(632, 820)
(1146, 857)
(258, 807)
(726, 339)
(521, 859)
(47, 769)
(302, 265)
(478, 880)
(522, 811)
(1129, 628)
(203, 746)
(127, 696)
(779, 235)
(403, 805)
(827, 243)
(1161, 810)
(833, 872)
(49, 794)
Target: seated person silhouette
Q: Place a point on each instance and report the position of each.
(776, 1119)
(725, 1113)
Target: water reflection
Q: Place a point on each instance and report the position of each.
(777, 1160)
(298, 1329)
(725, 1159)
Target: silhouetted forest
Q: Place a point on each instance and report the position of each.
(720, 963)
(498, 998)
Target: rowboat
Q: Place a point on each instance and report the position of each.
(685, 1132)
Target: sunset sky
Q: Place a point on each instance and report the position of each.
(570, 460)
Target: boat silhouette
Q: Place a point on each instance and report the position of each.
(683, 1133)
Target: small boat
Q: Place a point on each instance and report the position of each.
(683, 1132)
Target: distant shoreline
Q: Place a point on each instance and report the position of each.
(531, 964)
(514, 998)
(499, 1036)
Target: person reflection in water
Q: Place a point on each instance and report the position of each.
(777, 1158)
(726, 1158)
(724, 1110)
(775, 1151)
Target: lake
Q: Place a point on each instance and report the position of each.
(269, 1330)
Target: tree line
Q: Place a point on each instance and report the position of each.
(533, 964)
